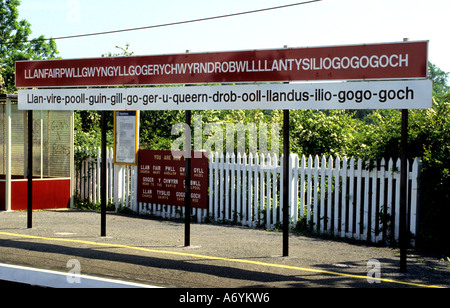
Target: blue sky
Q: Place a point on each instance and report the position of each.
(329, 22)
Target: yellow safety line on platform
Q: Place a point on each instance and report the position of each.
(218, 258)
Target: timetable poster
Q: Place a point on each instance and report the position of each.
(126, 136)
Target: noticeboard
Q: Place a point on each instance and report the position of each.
(161, 179)
(126, 137)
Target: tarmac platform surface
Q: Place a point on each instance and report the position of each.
(152, 252)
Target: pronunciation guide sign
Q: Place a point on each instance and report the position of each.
(412, 94)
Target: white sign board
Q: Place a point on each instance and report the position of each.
(126, 137)
(409, 94)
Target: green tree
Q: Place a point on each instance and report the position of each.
(428, 139)
(125, 51)
(15, 44)
(323, 132)
(156, 128)
(2, 82)
(440, 81)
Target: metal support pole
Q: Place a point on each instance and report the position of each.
(286, 183)
(103, 178)
(403, 232)
(187, 197)
(30, 172)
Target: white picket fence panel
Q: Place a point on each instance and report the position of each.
(121, 180)
(334, 196)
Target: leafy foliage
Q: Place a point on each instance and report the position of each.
(156, 128)
(15, 44)
(323, 132)
(430, 140)
(88, 131)
(2, 82)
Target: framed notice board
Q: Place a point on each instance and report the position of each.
(161, 179)
(126, 137)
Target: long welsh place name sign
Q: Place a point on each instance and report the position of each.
(406, 94)
(372, 61)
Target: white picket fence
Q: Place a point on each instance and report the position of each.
(339, 197)
(121, 180)
(333, 196)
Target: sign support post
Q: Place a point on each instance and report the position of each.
(187, 180)
(30, 171)
(103, 178)
(286, 145)
(403, 232)
(187, 197)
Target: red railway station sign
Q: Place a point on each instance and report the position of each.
(401, 60)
